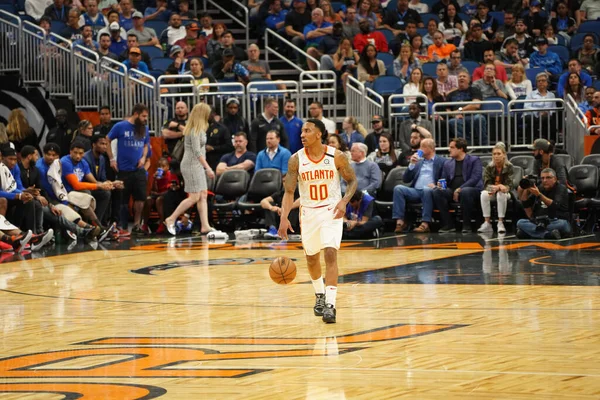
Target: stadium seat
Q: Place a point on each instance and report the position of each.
(389, 35)
(387, 85)
(430, 69)
(530, 73)
(426, 17)
(566, 159)
(161, 63)
(153, 51)
(561, 40)
(156, 73)
(231, 185)
(387, 58)
(336, 5)
(492, 107)
(485, 160)
(465, 17)
(57, 27)
(562, 52)
(384, 201)
(577, 40)
(498, 16)
(10, 8)
(421, 31)
(264, 183)
(596, 84)
(592, 159)
(525, 162)
(158, 26)
(389, 71)
(589, 27)
(585, 178)
(471, 66)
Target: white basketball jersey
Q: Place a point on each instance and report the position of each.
(318, 180)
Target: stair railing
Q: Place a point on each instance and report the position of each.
(237, 8)
(277, 37)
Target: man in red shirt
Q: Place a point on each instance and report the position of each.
(489, 57)
(366, 37)
(193, 45)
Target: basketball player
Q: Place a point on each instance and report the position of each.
(318, 168)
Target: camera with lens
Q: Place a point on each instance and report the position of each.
(541, 222)
(528, 181)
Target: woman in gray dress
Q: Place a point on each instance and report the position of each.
(194, 169)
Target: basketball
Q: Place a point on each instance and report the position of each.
(282, 270)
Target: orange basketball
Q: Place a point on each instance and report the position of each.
(282, 270)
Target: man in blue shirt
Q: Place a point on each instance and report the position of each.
(276, 18)
(21, 207)
(273, 156)
(117, 44)
(132, 149)
(574, 66)
(87, 39)
(315, 31)
(240, 158)
(292, 125)
(545, 59)
(423, 174)
(135, 62)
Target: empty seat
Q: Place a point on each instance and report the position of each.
(264, 183)
(231, 185)
(153, 51)
(525, 162)
(387, 85)
(384, 201)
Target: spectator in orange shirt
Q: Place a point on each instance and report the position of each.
(593, 114)
(439, 50)
(366, 37)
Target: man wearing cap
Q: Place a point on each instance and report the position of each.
(233, 119)
(117, 44)
(173, 129)
(113, 17)
(174, 32)
(126, 16)
(372, 139)
(135, 62)
(62, 134)
(132, 41)
(228, 69)
(543, 152)
(180, 63)
(524, 41)
(593, 114)
(92, 17)
(146, 36)
(192, 44)
(159, 13)
(545, 59)
(476, 47)
(328, 45)
(267, 121)
(413, 123)
(366, 36)
(396, 21)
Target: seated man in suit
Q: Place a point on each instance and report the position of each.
(464, 184)
(423, 174)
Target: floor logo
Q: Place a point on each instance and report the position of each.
(203, 263)
(172, 357)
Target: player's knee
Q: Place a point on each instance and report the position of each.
(330, 255)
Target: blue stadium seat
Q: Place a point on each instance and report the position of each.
(429, 68)
(389, 71)
(153, 51)
(7, 2)
(589, 27)
(387, 58)
(577, 40)
(10, 8)
(387, 85)
(492, 107)
(336, 5)
(465, 17)
(562, 52)
(422, 31)
(596, 84)
(156, 73)
(470, 65)
(161, 63)
(530, 73)
(426, 17)
(561, 40)
(158, 26)
(498, 16)
(57, 27)
(430, 3)
(389, 35)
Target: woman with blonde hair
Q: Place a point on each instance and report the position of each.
(328, 13)
(405, 63)
(498, 182)
(414, 85)
(194, 169)
(351, 135)
(518, 85)
(19, 132)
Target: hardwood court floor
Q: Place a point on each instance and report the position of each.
(421, 317)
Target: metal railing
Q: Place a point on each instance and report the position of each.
(575, 129)
(397, 111)
(112, 87)
(355, 96)
(217, 94)
(481, 128)
(293, 48)
(85, 70)
(230, 13)
(374, 104)
(526, 123)
(259, 91)
(143, 91)
(60, 63)
(318, 86)
(10, 48)
(35, 51)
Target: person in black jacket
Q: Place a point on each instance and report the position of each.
(232, 119)
(62, 133)
(218, 142)
(267, 121)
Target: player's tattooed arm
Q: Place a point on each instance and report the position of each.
(347, 173)
(290, 182)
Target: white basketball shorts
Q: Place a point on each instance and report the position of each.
(319, 230)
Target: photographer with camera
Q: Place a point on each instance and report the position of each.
(547, 208)
(543, 152)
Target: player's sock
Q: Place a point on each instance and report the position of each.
(330, 293)
(318, 285)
